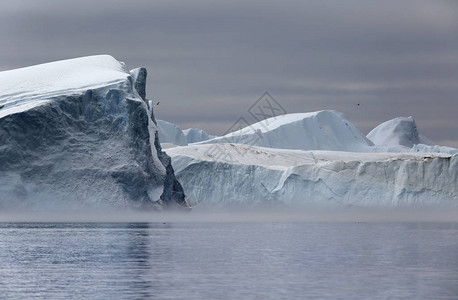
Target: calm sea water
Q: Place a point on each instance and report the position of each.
(236, 260)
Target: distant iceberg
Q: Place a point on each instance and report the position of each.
(170, 133)
(80, 133)
(195, 135)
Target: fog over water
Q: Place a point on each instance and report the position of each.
(241, 214)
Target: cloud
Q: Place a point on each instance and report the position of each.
(209, 61)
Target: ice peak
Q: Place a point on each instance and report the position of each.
(321, 130)
(398, 131)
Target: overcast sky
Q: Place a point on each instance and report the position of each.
(209, 61)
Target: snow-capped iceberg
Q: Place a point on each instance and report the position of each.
(195, 135)
(328, 162)
(170, 133)
(79, 133)
(322, 130)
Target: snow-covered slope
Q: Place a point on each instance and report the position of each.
(78, 133)
(401, 135)
(170, 133)
(195, 135)
(232, 174)
(322, 130)
(399, 131)
(25, 88)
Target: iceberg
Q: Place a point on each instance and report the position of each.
(195, 135)
(317, 158)
(80, 133)
(170, 133)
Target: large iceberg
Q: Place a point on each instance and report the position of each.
(80, 133)
(329, 163)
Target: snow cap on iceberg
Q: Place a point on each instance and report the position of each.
(322, 130)
(25, 88)
(401, 131)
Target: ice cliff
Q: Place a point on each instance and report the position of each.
(253, 175)
(80, 133)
